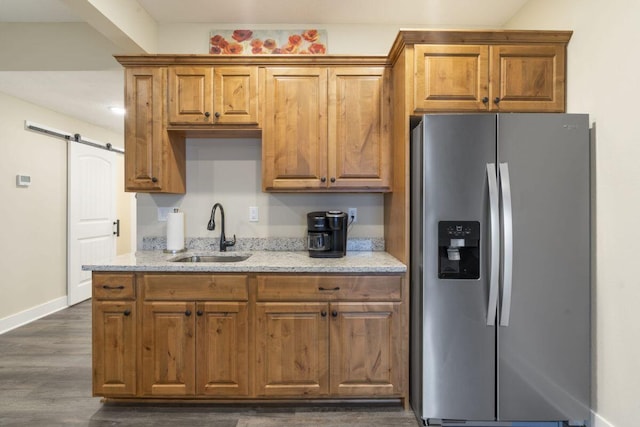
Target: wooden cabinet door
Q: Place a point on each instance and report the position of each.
(154, 159)
(365, 349)
(292, 349)
(144, 133)
(359, 139)
(191, 95)
(168, 349)
(294, 137)
(527, 78)
(114, 348)
(235, 95)
(451, 78)
(222, 360)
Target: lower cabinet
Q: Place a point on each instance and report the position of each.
(337, 349)
(230, 336)
(364, 339)
(292, 355)
(348, 346)
(194, 349)
(114, 323)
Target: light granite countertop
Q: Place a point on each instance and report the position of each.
(259, 261)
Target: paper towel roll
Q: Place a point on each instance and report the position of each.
(175, 231)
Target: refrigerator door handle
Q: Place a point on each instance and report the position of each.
(507, 244)
(494, 215)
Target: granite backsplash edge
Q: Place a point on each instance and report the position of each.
(151, 243)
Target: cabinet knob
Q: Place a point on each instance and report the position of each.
(127, 312)
(485, 100)
(334, 313)
(199, 312)
(154, 179)
(217, 114)
(496, 100)
(207, 114)
(323, 179)
(323, 313)
(333, 179)
(187, 313)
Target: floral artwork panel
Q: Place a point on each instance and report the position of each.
(268, 42)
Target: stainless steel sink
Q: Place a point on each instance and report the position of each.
(212, 258)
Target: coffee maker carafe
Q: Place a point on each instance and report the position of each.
(327, 234)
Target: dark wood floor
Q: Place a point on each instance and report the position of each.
(45, 380)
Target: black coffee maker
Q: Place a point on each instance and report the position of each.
(327, 234)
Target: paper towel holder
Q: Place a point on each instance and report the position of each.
(175, 251)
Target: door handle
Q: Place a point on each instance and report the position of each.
(117, 224)
(494, 216)
(507, 244)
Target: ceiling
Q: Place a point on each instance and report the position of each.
(58, 54)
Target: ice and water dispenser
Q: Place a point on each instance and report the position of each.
(458, 250)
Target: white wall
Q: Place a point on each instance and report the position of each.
(229, 171)
(603, 81)
(34, 219)
(342, 39)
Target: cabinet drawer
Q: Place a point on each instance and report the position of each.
(329, 288)
(195, 287)
(113, 286)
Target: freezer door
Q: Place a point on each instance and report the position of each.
(458, 346)
(544, 352)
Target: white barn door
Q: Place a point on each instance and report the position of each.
(91, 215)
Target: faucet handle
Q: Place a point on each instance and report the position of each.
(228, 243)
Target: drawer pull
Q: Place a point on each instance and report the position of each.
(112, 287)
(337, 288)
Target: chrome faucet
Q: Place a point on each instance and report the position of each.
(224, 243)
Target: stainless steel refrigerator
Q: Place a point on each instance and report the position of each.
(500, 269)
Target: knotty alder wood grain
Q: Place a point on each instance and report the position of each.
(233, 336)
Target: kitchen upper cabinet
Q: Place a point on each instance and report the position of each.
(326, 129)
(154, 159)
(294, 136)
(527, 78)
(190, 95)
(359, 138)
(510, 78)
(207, 95)
(235, 99)
(451, 77)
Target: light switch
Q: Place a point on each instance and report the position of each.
(253, 214)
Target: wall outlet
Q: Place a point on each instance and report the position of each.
(163, 213)
(253, 214)
(353, 215)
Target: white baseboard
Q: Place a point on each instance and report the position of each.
(27, 316)
(599, 421)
